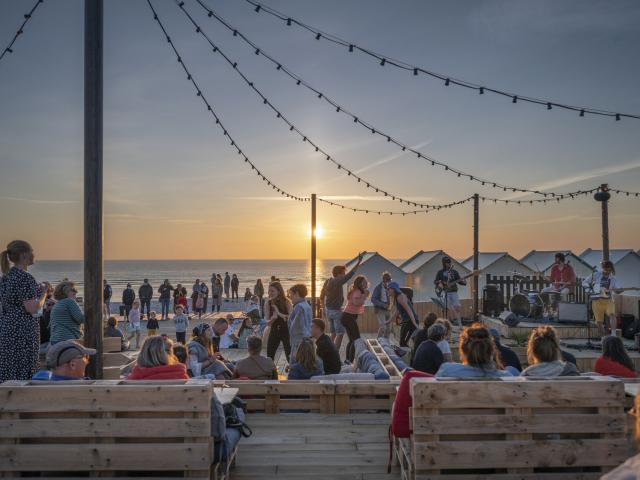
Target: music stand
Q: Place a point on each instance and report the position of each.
(442, 305)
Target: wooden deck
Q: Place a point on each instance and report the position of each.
(315, 447)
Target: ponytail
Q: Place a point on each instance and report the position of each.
(12, 253)
(4, 262)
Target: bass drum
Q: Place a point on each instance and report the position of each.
(526, 305)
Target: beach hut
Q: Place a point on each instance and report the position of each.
(625, 261)
(496, 263)
(373, 266)
(542, 260)
(421, 271)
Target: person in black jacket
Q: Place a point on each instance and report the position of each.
(325, 348)
(448, 280)
(128, 296)
(508, 356)
(423, 333)
(145, 294)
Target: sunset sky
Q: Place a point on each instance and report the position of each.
(175, 189)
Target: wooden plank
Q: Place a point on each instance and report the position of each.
(104, 398)
(520, 453)
(125, 456)
(568, 475)
(517, 392)
(517, 424)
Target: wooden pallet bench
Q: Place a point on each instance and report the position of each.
(375, 347)
(107, 428)
(514, 428)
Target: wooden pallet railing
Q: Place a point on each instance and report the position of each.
(107, 428)
(561, 428)
(383, 358)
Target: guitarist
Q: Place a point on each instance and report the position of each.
(603, 284)
(447, 281)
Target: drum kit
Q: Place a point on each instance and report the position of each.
(532, 303)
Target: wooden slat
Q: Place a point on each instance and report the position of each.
(516, 393)
(520, 453)
(104, 398)
(508, 424)
(569, 475)
(152, 457)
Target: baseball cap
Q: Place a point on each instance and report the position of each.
(394, 286)
(65, 351)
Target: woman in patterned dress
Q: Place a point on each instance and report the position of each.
(20, 298)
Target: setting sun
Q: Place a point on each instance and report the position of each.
(319, 231)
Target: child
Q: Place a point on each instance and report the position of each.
(134, 323)
(253, 310)
(152, 325)
(182, 323)
(245, 331)
(247, 294)
(182, 301)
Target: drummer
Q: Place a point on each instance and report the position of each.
(562, 277)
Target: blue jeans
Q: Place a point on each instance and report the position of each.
(165, 307)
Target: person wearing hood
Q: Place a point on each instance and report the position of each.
(145, 294)
(543, 353)
(157, 362)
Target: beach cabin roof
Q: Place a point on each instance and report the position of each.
(594, 257)
(418, 260)
(541, 260)
(366, 257)
(487, 259)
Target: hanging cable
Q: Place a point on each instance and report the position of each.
(20, 31)
(557, 198)
(216, 117)
(390, 212)
(623, 192)
(292, 128)
(446, 79)
(359, 121)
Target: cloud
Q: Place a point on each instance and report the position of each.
(39, 201)
(581, 177)
(393, 157)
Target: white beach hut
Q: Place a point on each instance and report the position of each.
(373, 266)
(625, 261)
(421, 271)
(496, 263)
(542, 260)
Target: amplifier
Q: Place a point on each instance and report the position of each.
(572, 313)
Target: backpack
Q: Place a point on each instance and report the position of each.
(234, 414)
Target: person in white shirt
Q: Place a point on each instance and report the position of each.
(601, 286)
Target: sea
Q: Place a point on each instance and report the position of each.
(120, 272)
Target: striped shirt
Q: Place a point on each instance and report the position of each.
(66, 318)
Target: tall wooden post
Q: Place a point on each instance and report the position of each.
(314, 306)
(603, 197)
(93, 302)
(476, 220)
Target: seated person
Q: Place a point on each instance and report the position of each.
(156, 361)
(509, 357)
(429, 357)
(423, 334)
(113, 331)
(444, 343)
(66, 360)
(202, 357)
(255, 366)
(227, 336)
(306, 363)
(325, 348)
(181, 353)
(253, 310)
(478, 356)
(614, 360)
(543, 353)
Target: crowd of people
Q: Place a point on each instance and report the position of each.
(33, 313)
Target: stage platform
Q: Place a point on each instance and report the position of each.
(565, 331)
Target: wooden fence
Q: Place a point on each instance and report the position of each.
(508, 285)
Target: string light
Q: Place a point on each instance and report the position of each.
(20, 31)
(215, 115)
(333, 39)
(624, 192)
(279, 115)
(391, 212)
(357, 119)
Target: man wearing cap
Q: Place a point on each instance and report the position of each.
(448, 280)
(66, 360)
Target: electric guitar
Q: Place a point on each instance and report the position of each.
(444, 286)
(605, 293)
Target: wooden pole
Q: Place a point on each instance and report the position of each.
(93, 302)
(605, 222)
(314, 306)
(476, 220)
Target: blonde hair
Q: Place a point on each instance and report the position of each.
(12, 253)
(62, 290)
(306, 354)
(156, 351)
(543, 345)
